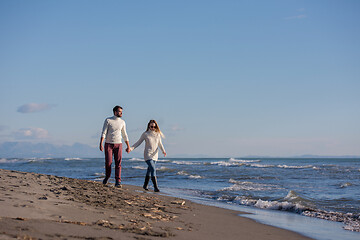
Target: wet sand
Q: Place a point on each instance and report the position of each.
(37, 206)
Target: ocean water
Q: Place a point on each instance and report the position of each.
(275, 189)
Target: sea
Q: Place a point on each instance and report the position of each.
(317, 197)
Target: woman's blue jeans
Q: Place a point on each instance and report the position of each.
(151, 171)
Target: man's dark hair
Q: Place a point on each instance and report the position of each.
(116, 108)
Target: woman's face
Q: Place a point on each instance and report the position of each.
(152, 126)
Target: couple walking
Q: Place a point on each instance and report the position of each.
(114, 130)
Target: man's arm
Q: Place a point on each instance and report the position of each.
(125, 137)
(101, 147)
(103, 134)
(128, 146)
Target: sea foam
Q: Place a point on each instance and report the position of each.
(184, 173)
(71, 159)
(136, 159)
(186, 163)
(243, 161)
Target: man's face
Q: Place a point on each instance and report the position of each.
(118, 113)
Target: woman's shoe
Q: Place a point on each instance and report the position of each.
(146, 182)
(154, 180)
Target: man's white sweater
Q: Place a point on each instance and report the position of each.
(114, 128)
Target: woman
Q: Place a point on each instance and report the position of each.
(152, 137)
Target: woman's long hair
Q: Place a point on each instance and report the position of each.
(157, 129)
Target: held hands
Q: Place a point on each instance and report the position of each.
(129, 149)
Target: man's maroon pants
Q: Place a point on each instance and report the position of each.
(116, 150)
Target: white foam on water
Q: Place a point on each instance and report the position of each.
(347, 184)
(313, 227)
(262, 165)
(139, 167)
(5, 160)
(71, 159)
(280, 166)
(184, 173)
(163, 169)
(195, 176)
(295, 167)
(294, 203)
(248, 186)
(283, 206)
(136, 159)
(163, 160)
(243, 161)
(31, 160)
(186, 163)
(292, 196)
(351, 220)
(271, 205)
(228, 164)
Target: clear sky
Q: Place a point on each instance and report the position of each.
(223, 78)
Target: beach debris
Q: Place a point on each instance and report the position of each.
(107, 224)
(156, 210)
(25, 237)
(147, 231)
(179, 202)
(149, 215)
(129, 202)
(133, 220)
(159, 217)
(43, 198)
(20, 219)
(160, 207)
(103, 223)
(73, 222)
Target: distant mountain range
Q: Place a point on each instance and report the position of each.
(305, 156)
(320, 156)
(41, 150)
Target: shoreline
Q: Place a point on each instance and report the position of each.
(43, 206)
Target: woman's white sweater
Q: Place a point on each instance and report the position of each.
(152, 143)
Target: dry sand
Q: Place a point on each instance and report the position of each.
(37, 206)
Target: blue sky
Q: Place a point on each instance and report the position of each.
(222, 78)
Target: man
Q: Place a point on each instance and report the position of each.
(114, 128)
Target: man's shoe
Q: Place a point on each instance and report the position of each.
(118, 185)
(105, 181)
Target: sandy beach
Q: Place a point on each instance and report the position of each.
(37, 206)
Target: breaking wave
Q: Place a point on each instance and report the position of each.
(297, 204)
(248, 186)
(71, 159)
(139, 167)
(280, 166)
(184, 173)
(243, 161)
(136, 159)
(187, 163)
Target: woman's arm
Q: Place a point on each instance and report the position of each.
(141, 139)
(162, 147)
